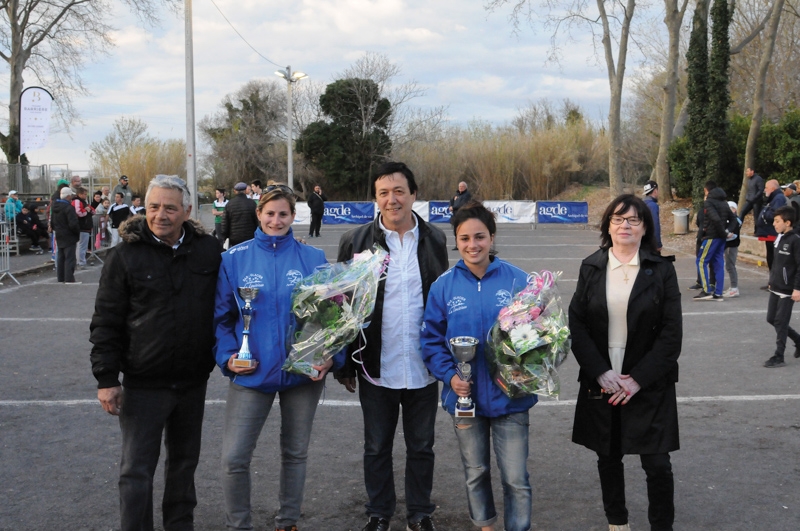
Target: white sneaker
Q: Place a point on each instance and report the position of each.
(732, 292)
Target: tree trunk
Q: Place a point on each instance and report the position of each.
(673, 19)
(758, 96)
(616, 77)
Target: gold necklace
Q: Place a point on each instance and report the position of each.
(625, 272)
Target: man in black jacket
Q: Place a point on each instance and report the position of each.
(717, 222)
(316, 203)
(239, 222)
(65, 224)
(390, 371)
(153, 322)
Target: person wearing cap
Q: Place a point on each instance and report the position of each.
(122, 188)
(732, 252)
(68, 234)
(239, 223)
(651, 200)
(13, 205)
(792, 198)
(219, 211)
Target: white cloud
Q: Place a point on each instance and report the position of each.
(467, 58)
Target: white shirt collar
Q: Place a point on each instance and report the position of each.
(613, 263)
(177, 243)
(387, 232)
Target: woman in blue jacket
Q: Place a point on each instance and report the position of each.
(273, 262)
(465, 301)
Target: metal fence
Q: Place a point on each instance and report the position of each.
(41, 180)
(5, 252)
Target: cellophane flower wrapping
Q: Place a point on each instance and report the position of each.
(329, 308)
(530, 340)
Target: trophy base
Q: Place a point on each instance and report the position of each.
(243, 363)
(465, 412)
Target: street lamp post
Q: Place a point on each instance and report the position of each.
(291, 78)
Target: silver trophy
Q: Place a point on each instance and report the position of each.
(463, 349)
(244, 359)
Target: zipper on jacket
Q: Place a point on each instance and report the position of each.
(479, 286)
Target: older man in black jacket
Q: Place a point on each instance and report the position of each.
(64, 221)
(392, 373)
(239, 222)
(153, 323)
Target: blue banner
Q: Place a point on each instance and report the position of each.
(348, 213)
(439, 212)
(562, 212)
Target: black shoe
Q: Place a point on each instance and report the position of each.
(695, 286)
(797, 351)
(717, 298)
(377, 524)
(426, 524)
(773, 362)
(703, 296)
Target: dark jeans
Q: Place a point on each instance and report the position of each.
(316, 224)
(660, 484)
(770, 253)
(381, 408)
(779, 314)
(146, 414)
(65, 263)
(30, 233)
(755, 206)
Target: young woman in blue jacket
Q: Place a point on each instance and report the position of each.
(273, 262)
(465, 301)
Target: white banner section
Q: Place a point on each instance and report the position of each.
(513, 211)
(34, 118)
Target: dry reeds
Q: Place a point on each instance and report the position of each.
(505, 163)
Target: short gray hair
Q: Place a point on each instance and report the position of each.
(170, 182)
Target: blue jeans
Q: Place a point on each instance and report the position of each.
(246, 411)
(146, 414)
(509, 435)
(83, 247)
(381, 408)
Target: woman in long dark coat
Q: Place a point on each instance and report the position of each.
(626, 324)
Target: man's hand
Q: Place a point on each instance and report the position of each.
(796, 295)
(348, 383)
(111, 399)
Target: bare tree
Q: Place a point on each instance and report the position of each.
(758, 97)
(405, 122)
(610, 25)
(52, 40)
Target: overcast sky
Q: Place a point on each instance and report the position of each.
(466, 58)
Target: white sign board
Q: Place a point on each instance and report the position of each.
(34, 119)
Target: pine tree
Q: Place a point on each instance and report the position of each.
(719, 98)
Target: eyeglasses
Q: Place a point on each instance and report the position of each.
(282, 187)
(633, 221)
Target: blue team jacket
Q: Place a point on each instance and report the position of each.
(274, 264)
(459, 304)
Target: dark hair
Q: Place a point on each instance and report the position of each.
(97, 192)
(119, 194)
(787, 214)
(474, 210)
(710, 185)
(620, 205)
(220, 190)
(80, 190)
(389, 168)
(135, 197)
(256, 182)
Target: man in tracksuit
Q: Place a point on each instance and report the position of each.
(784, 284)
(717, 222)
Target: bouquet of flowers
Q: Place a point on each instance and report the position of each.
(530, 340)
(330, 307)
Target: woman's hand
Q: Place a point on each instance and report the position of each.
(322, 369)
(459, 386)
(241, 370)
(610, 382)
(630, 386)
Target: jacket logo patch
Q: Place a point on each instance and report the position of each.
(253, 280)
(456, 304)
(238, 248)
(293, 276)
(503, 297)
